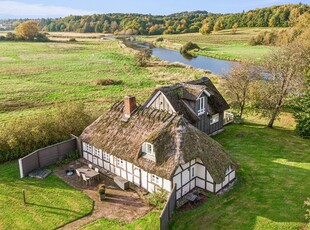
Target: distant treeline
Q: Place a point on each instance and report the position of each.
(185, 22)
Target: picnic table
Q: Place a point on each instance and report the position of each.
(192, 198)
(88, 172)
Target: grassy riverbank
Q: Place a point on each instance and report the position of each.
(221, 45)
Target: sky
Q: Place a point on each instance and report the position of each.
(62, 8)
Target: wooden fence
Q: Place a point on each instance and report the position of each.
(46, 156)
(169, 208)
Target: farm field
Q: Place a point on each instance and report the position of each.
(51, 202)
(36, 76)
(221, 45)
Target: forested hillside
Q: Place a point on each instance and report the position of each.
(184, 22)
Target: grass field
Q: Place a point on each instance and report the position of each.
(222, 44)
(51, 202)
(273, 181)
(35, 76)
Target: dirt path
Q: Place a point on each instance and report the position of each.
(119, 205)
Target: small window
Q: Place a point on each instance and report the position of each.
(106, 156)
(89, 148)
(214, 119)
(97, 152)
(155, 179)
(120, 163)
(149, 148)
(201, 106)
(193, 172)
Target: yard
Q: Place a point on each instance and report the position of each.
(51, 202)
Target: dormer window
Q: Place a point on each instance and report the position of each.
(148, 151)
(149, 148)
(201, 105)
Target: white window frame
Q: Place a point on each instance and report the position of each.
(214, 119)
(155, 179)
(228, 170)
(97, 152)
(193, 172)
(147, 144)
(106, 156)
(89, 148)
(119, 163)
(201, 105)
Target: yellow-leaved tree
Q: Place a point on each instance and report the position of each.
(27, 30)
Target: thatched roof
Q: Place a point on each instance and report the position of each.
(175, 141)
(189, 91)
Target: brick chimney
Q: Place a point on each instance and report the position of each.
(129, 105)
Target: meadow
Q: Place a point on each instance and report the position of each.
(36, 76)
(222, 44)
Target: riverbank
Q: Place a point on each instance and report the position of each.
(221, 45)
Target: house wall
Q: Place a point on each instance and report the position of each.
(125, 169)
(161, 103)
(185, 181)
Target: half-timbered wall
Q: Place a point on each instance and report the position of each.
(125, 169)
(186, 180)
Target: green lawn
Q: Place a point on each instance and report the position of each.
(148, 222)
(273, 182)
(51, 202)
(222, 44)
(35, 76)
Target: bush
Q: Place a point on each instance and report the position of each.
(188, 46)
(158, 198)
(41, 38)
(72, 40)
(10, 36)
(307, 204)
(108, 82)
(28, 134)
(142, 58)
(70, 157)
(160, 39)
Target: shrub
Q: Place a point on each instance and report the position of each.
(158, 198)
(10, 36)
(101, 189)
(70, 157)
(41, 38)
(142, 58)
(108, 82)
(72, 40)
(160, 39)
(25, 135)
(188, 46)
(307, 204)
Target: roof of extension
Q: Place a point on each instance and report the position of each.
(180, 93)
(174, 140)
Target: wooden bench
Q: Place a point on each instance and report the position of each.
(121, 182)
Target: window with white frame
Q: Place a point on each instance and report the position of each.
(149, 148)
(214, 119)
(201, 105)
(193, 173)
(120, 162)
(97, 152)
(89, 148)
(106, 156)
(155, 179)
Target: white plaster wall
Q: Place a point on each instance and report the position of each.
(209, 177)
(210, 187)
(167, 185)
(177, 181)
(185, 177)
(200, 183)
(200, 171)
(218, 187)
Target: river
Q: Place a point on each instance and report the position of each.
(214, 65)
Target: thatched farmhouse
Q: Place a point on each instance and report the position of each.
(198, 101)
(154, 149)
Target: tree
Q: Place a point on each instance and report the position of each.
(301, 107)
(234, 28)
(188, 46)
(237, 83)
(27, 30)
(206, 28)
(217, 26)
(284, 78)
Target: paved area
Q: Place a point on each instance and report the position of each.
(119, 205)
